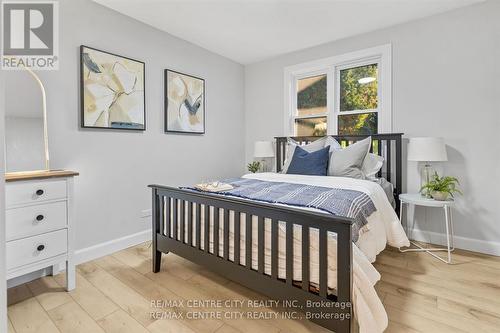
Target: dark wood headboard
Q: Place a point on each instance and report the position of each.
(389, 146)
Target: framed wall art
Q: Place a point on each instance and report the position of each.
(112, 91)
(184, 103)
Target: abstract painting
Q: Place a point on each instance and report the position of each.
(184, 103)
(111, 91)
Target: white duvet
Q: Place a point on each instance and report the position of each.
(383, 228)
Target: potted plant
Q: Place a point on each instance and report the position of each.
(439, 188)
(253, 167)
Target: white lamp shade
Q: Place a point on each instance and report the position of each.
(427, 150)
(263, 149)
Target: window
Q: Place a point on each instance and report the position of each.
(345, 95)
(310, 118)
(358, 100)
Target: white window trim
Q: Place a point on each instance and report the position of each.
(382, 55)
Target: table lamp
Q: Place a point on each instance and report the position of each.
(263, 150)
(427, 150)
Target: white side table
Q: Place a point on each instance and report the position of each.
(418, 200)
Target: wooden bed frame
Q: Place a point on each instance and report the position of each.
(177, 210)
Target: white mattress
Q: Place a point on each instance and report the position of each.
(383, 228)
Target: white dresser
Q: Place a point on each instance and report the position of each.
(39, 231)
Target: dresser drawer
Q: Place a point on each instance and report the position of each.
(20, 193)
(36, 219)
(32, 249)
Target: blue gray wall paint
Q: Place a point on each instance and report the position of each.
(445, 83)
(116, 166)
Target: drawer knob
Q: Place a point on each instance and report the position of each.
(40, 247)
(39, 192)
(40, 217)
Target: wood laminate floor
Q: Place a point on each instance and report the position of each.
(114, 294)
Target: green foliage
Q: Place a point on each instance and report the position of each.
(355, 95)
(313, 96)
(364, 123)
(253, 167)
(358, 96)
(444, 184)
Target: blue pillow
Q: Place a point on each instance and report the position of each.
(312, 164)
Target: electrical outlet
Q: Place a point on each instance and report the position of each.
(146, 213)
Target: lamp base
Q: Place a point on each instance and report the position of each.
(425, 177)
(263, 165)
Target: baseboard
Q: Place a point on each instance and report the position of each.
(112, 246)
(471, 244)
(88, 254)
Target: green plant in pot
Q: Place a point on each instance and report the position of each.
(253, 167)
(440, 188)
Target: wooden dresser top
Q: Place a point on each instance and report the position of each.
(39, 174)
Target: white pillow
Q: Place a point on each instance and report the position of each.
(347, 162)
(334, 145)
(371, 165)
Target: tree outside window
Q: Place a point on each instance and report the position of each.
(359, 100)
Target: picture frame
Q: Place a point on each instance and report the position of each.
(185, 102)
(112, 91)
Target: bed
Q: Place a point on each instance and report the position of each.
(301, 256)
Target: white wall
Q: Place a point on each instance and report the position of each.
(116, 166)
(445, 83)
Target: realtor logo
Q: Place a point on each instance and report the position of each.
(30, 35)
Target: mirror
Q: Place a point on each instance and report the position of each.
(24, 122)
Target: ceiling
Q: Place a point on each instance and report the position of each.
(250, 31)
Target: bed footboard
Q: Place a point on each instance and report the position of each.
(176, 211)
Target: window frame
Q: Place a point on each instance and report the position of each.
(294, 115)
(380, 55)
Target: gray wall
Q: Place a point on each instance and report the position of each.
(116, 166)
(445, 83)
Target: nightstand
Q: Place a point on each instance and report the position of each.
(418, 200)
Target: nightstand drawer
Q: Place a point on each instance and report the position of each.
(32, 249)
(33, 220)
(20, 193)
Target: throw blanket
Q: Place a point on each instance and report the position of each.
(336, 201)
